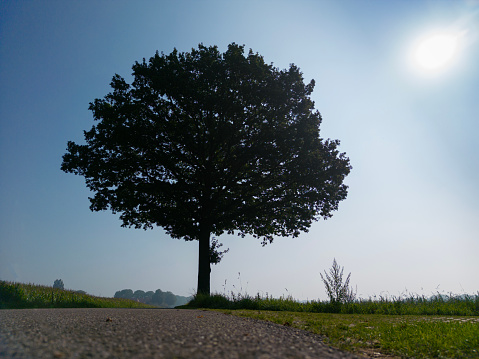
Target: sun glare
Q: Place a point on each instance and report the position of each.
(436, 51)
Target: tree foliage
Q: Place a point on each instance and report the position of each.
(125, 294)
(205, 143)
(215, 254)
(58, 283)
(158, 298)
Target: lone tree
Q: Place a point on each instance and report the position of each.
(58, 283)
(203, 143)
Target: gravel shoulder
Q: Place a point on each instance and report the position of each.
(151, 333)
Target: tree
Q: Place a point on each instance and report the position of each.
(205, 143)
(149, 296)
(158, 297)
(215, 255)
(139, 295)
(338, 291)
(170, 299)
(58, 283)
(125, 294)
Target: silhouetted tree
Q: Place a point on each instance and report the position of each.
(139, 295)
(158, 297)
(125, 294)
(58, 283)
(148, 297)
(215, 255)
(170, 299)
(205, 143)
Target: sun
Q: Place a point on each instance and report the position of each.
(435, 52)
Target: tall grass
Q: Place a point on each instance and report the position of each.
(464, 305)
(17, 296)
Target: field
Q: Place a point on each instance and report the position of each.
(18, 296)
(414, 327)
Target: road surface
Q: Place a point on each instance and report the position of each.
(151, 333)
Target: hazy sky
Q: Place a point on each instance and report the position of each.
(411, 219)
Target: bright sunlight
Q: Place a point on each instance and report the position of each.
(436, 51)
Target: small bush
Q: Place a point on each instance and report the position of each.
(338, 291)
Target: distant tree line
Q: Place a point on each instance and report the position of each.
(157, 298)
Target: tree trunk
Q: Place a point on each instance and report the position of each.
(204, 261)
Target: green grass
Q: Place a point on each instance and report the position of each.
(402, 336)
(412, 327)
(413, 305)
(19, 296)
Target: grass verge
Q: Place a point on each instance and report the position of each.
(414, 305)
(385, 335)
(418, 327)
(18, 296)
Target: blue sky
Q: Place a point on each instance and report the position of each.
(410, 222)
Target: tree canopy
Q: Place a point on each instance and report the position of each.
(157, 298)
(58, 283)
(204, 143)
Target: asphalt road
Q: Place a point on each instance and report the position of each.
(151, 333)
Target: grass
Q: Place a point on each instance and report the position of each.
(401, 336)
(19, 296)
(412, 305)
(418, 327)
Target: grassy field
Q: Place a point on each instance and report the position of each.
(414, 327)
(18, 296)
